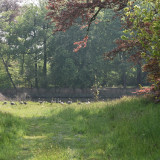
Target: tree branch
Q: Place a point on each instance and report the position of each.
(92, 19)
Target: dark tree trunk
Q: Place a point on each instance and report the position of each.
(22, 65)
(124, 78)
(45, 64)
(36, 71)
(139, 74)
(9, 75)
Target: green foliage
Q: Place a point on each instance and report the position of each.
(36, 58)
(145, 18)
(142, 20)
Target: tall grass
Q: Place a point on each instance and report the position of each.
(11, 131)
(125, 129)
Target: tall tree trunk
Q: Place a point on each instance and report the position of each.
(139, 74)
(36, 70)
(9, 75)
(35, 58)
(45, 63)
(22, 65)
(124, 78)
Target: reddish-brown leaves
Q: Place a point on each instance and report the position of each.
(81, 44)
(64, 13)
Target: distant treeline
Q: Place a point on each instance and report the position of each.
(32, 57)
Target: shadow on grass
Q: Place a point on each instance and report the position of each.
(64, 130)
(128, 129)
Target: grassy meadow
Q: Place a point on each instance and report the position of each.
(124, 129)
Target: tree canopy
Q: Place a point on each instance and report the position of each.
(65, 14)
(32, 57)
(141, 24)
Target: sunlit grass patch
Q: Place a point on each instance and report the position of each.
(126, 128)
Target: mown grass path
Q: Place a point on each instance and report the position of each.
(126, 129)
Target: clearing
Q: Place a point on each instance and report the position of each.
(124, 129)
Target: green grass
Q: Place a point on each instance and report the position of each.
(125, 129)
(11, 131)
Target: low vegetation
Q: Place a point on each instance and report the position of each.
(125, 129)
(11, 134)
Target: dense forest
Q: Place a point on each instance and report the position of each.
(31, 56)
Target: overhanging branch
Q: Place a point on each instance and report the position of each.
(92, 19)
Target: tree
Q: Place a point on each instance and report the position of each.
(89, 62)
(35, 58)
(8, 11)
(142, 24)
(82, 12)
(30, 35)
(140, 21)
